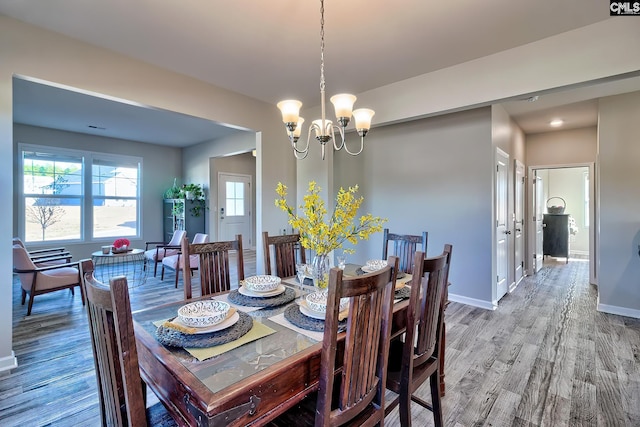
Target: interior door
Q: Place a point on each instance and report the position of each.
(234, 207)
(518, 223)
(538, 217)
(502, 226)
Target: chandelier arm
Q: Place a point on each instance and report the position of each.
(342, 140)
(294, 145)
(361, 147)
(299, 156)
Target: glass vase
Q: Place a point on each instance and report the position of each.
(321, 271)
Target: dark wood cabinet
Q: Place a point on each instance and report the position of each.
(178, 216)
(556, 235)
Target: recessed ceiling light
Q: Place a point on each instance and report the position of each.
(556, 123)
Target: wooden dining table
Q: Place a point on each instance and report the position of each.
(248, 385)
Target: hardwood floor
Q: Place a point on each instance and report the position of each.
(545, 357)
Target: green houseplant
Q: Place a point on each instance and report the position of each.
(195, 193)
(192, 192)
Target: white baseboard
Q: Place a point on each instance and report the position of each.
(8, 362)
(620, 311)
(472, 302)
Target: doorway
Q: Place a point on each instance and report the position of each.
(234, 207)
(570, 189)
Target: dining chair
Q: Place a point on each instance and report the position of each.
(45, 257)
(287, 252)
(214, 265)
(163, 249)
(417, 358)
(448, 249)
(121, 391)
(404, 247)
(38, 280)
(176, 262)
(351, 389)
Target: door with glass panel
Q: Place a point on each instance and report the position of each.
(234, 207)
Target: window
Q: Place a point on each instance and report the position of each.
(235, 198)
(60, 205)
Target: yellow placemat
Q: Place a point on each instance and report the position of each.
(401, 283)
(258, 331)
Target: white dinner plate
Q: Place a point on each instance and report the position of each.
(368, 270)
(304, 309)
(242, 290)
(226, 323)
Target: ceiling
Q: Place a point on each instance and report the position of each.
(270, 51)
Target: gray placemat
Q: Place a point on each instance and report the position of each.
(237, 298)
(295, 316)
(172, 338)
(403, 293)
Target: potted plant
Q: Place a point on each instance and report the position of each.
(195, 193)
(173, 192)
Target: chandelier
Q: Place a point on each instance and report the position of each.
(325, 129)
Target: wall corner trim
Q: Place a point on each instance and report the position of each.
(487, 305)
(8, 362)
(620, 311)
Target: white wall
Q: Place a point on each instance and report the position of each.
(431, 175)
(619, 219)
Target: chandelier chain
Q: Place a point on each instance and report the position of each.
(322, 85)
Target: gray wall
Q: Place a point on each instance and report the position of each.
(562, 147)
(431, 175)
(160, 165)
(619, 171)
(197, 167)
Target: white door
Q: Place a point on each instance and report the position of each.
(502, 226)
(234, 207)
(538, 217)
(518, 226)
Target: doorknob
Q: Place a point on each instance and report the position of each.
(507, 232)
(517, 229)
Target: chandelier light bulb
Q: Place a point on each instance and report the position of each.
(290, 110)
(343, 104)
(298, 129)
(363, 118)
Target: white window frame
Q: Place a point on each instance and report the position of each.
(86, 212)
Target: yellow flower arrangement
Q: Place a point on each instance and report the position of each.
(324, 236)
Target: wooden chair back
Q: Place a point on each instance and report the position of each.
(422, 347)
(404, 247)
(122, 400)
(214, 265)
(285, 249)
(361, 389)
(425, 305)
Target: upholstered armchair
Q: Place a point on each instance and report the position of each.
(163, 249)
(37, 280)
(176, 262)
(45, 257)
